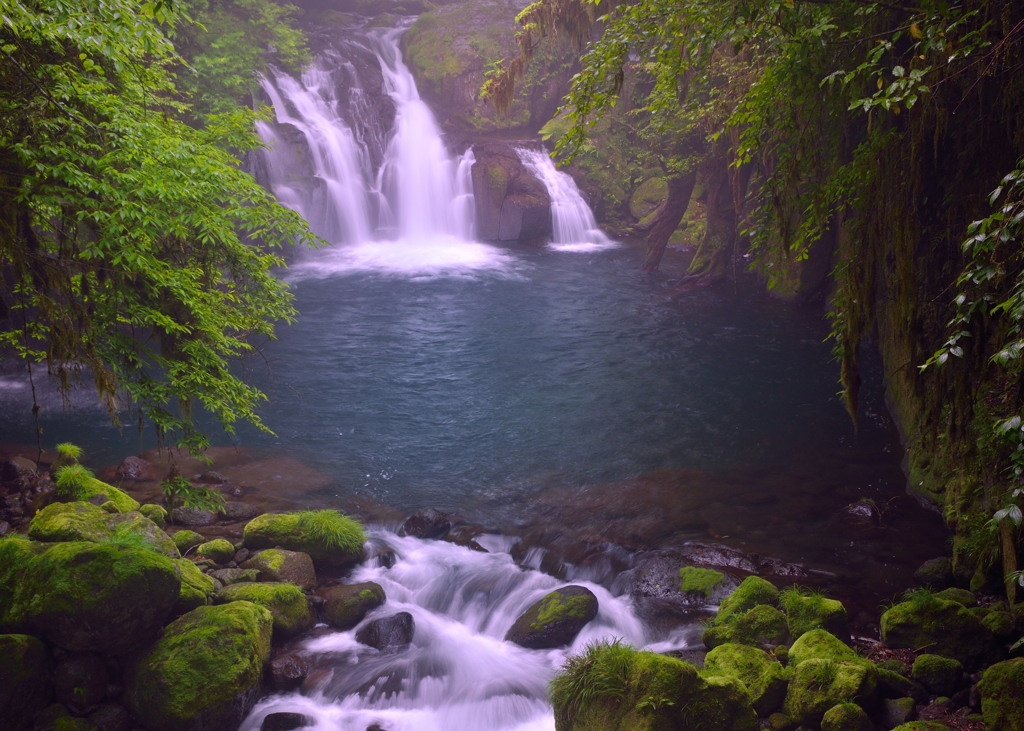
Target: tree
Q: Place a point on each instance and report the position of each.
(133, 248)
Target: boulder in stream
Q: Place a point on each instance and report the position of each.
(511, 203)
(330, 538)
(347, 605)
(388, 634)
(555, 619)
(426, 523)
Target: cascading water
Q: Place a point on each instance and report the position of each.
(411, 214)
(458, 672)
(572, 220)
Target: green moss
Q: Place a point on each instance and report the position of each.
(945, 627)
(199, 670)
(156, 513)
(1002, 704)
(819, 684)
(219, 550)
(326, 535)
(196, 587)
(752, 591)
(79, 521)
(287, 603)
(555, 607)
(699, 580)
(821, 645)
(186, 540)
(846, 717)
(811, 610)
(762, 626)
(762, 676)
(613, 687)
(940, 675)
(75, 482)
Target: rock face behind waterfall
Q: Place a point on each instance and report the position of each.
(511, 203)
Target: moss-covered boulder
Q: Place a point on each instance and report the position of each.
(820, 645)
(156, 513)
(76, 482)
(763, 626)
(26, 684)
(94, 597)
(330, 538)
(943, 626)
(752, 591)
(186, 540)
(196, 587)
(807, 611)
(16, 556)
(80, 521)
(1002, 703)
(958, 595)
(761, 674)
(555, 619)
(345, 606)
(204, 671)
(219, 550)
(939, 675)
(287, 604)
(846, 717)
(277, 564)
(818, 685)
(612, 687)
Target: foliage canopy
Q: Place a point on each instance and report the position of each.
(134, 248)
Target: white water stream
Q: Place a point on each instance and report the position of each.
(412, 216)
(458, 673)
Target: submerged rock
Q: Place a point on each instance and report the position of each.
(554, 620)
(426, 523)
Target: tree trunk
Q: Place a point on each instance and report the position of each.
(718, 247)
(680, 188)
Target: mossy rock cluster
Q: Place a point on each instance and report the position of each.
(946, 627)
(331, 539)
(104, 625)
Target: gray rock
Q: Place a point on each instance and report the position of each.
(388, 634)
(554, 620)
(346, 606)
(426, 523)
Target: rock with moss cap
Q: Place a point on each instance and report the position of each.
(752, 591)
(204, 671)
(762, 626)
(943, 626)
(820, 645)
(93, 597)
(287, 604)
(818, 684)
(75, 482)
(186, 540)
(761, 674)
(555, 619)
(846, 717)
(277, 564)
(807, 610)
(345, 606)
(660, 585)
(26, 683)
(80, 521)
(196, 588)
(940, 675)
(330, 538)
(219, 550)
(1002, 704)
(156, 513)
(613, 687)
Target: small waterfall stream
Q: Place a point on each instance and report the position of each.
(573, 222)
(458, 673)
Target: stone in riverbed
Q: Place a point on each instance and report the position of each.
(86, 596)
(277, 564)
(345, 606)
(81, 521)
(944, 626)
(219, 550)
(204, 671)
(26, 682)
(286, 603)
(426, 523)
(554, 620)
(186, 540)
(1002, 704)
(388, 634)
(330, 538)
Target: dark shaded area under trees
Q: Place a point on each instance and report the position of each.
(865, 153)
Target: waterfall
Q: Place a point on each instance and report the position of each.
(458, 673)
(394, 202)
(572, 220)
